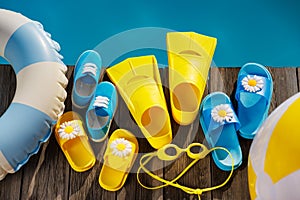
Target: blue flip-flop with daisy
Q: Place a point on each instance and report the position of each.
(220, 124)
(253, 95)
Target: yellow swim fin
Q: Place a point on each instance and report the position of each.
(138, 82)
(190, 55)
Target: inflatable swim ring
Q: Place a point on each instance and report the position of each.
(40, 93)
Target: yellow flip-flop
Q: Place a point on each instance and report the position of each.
(72, 139)
(190, 55)
(119, 157)
(138, 82)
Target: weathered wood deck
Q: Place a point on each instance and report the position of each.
(47, 175)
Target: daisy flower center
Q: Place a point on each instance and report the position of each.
(222, 113)
(69, 129)
(252, 82)
(121, 147)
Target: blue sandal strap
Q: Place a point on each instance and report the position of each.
(264, 91)
(212, 124)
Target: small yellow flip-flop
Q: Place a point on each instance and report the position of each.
(119, 157)
(72, 139)
(138, 82)
(190, 55)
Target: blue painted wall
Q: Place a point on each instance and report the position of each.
(265, 31)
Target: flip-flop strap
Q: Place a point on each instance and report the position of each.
(79, 132)
(116, 162)
(212, 124)
(265, 91)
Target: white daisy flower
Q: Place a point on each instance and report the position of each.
(68, 130)
(252, 83)
(121, 147)
(222, 112)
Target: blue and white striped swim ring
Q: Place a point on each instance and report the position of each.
(40, 93)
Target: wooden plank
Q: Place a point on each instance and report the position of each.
(48, 175)
(298, 78)
(225, 80)
(82, 182)
(10, 187)
(7, 86)
(199, 175)
(285, 84)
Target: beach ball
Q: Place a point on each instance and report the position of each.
(274, 157)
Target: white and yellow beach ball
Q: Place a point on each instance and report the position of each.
(274, 158)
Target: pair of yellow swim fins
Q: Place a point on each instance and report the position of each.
(139, 83)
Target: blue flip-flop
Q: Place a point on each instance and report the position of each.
(101, 111)
(253, 95)
(220, 124)
(86, 77)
